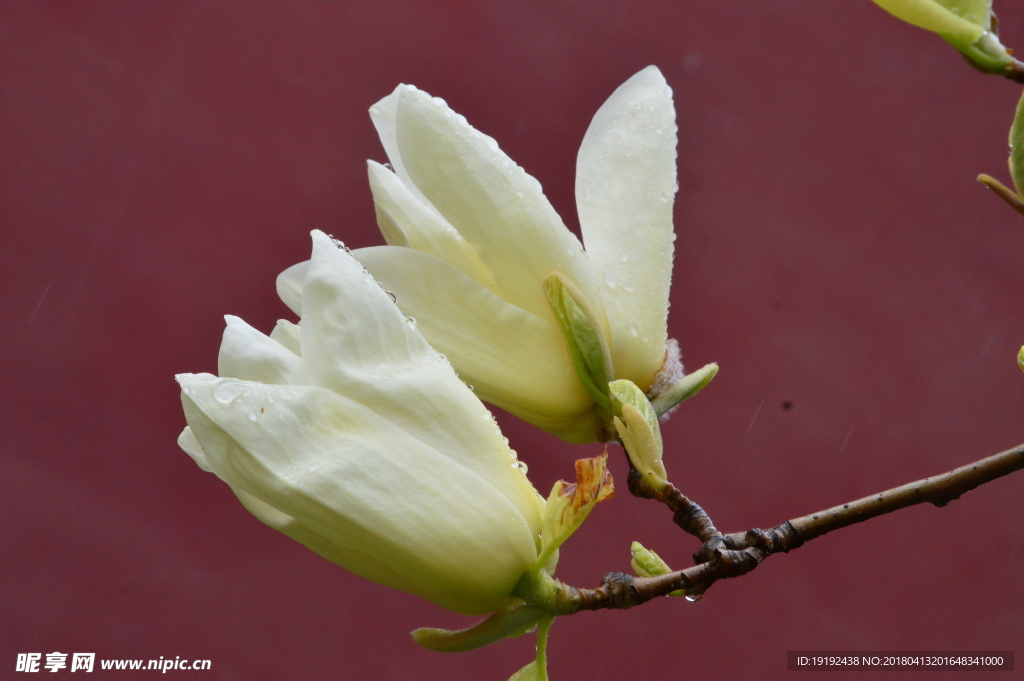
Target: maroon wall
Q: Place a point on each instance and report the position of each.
(160, 163)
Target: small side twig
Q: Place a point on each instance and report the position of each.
(736, 554)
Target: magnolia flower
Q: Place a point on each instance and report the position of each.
(357, 439)
(472, 241)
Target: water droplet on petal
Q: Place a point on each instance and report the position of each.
(411, 321)
(392, 296)
(623, 256)
(252, 414)
(440, 102)
(521, 466)
(629, 288)
(226, 392)
(633, 329)
(284, 394)
(535, 183)
(384, 371)
(609, 278)
(389, 166)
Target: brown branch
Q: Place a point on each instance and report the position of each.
(736, 554)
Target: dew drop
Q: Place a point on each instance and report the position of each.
(389, 166)
(226, 392)
(284, 394)
(633, 329)
(440, 102)
(657, 131)
(536, 184)
(521, 466)
(629, 288)
(384, 371)
(411, 321)
(252, 415)
(638, 106)
(609, 278)
(693, 598)
(505, 439)
(623, 256)
(492, 143)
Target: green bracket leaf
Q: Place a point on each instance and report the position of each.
(683, 389)
(587, 344)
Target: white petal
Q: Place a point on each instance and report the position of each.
(365, 485)
(247, 354)
(287, 334)
(289, 286)
(625, 186)
(512, 358)
(383, 116)
(188, 442)
(360, 563)
(422, 227)
(357, 343)
(492, 202)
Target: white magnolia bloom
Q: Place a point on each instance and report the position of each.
(472, 238)
(357, 439)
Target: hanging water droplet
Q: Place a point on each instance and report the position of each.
(629, 288)
(226, 392)
(609, 278)
(521, 466)
(693, 598)
(411, 321)
(384, 371)
(252, 415)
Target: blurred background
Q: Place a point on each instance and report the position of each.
(161, 163)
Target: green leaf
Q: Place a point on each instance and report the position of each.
(1020, 358)
(507, 623)
(948, 18)
(587, 344)
(639, 431)
(683, 389)
(1017, 147)
(647, 563)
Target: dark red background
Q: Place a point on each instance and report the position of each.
(161, 163)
